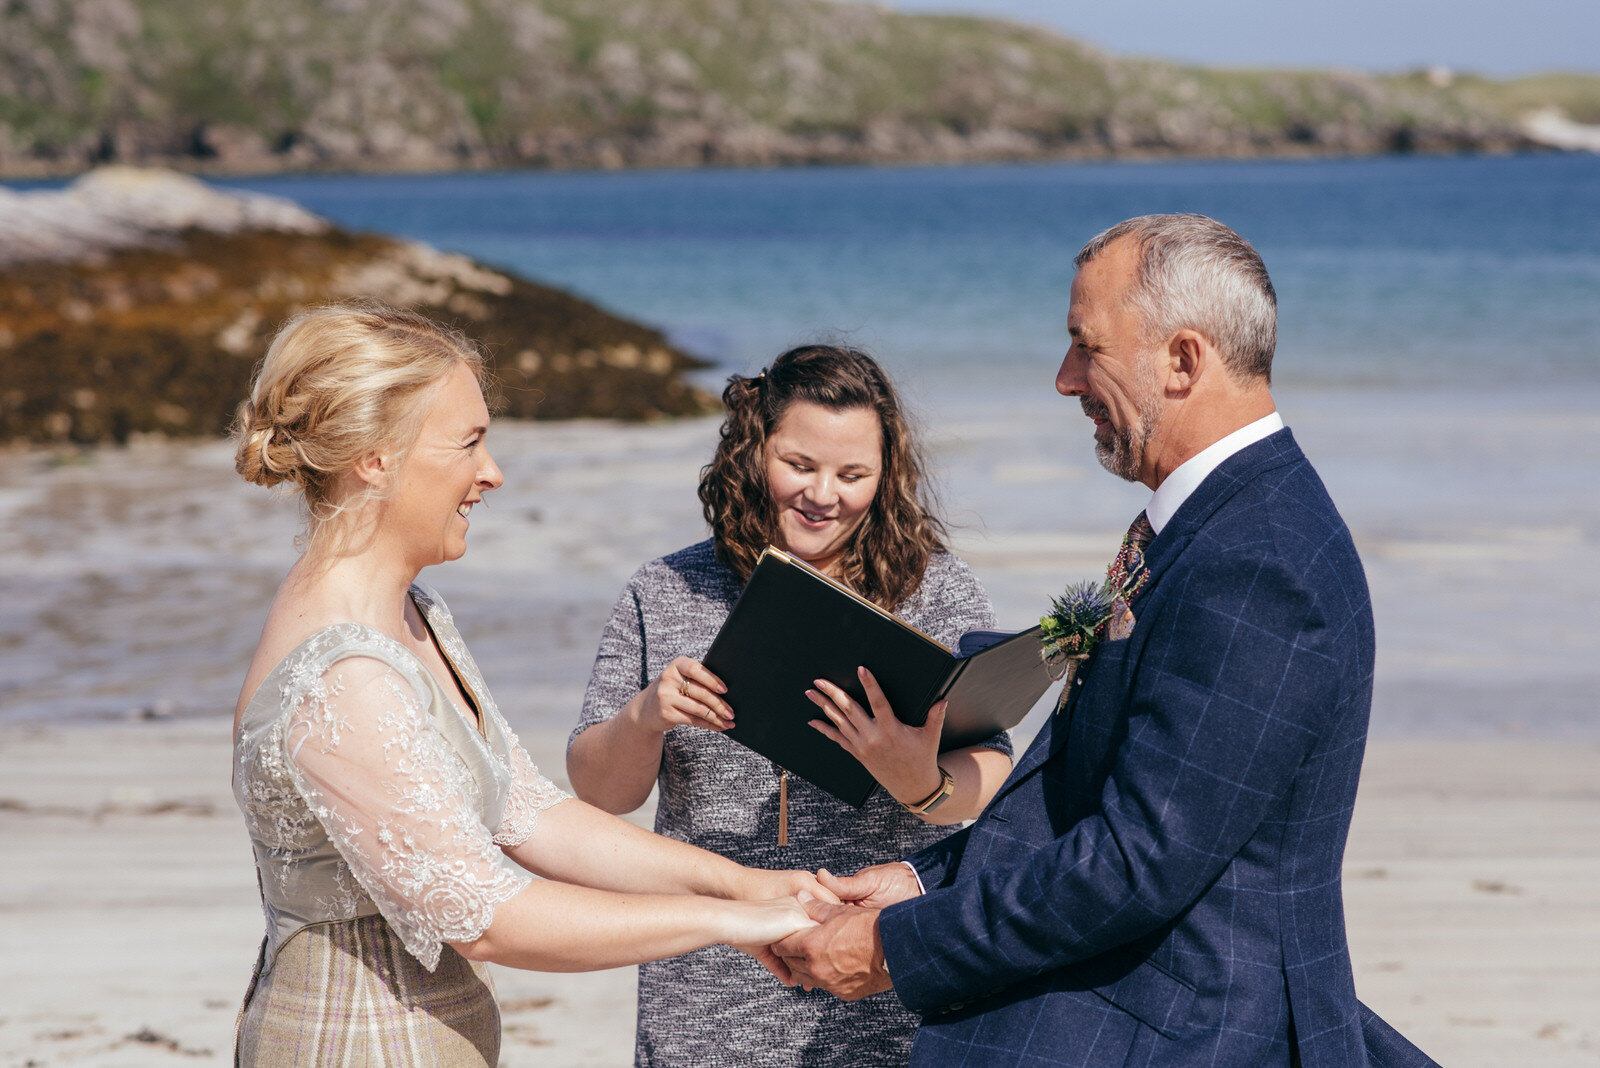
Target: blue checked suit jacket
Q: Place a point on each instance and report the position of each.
(1158, 882)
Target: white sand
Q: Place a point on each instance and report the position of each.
(129, 908)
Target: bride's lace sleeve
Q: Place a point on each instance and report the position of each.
(393, 797)
(531, 794)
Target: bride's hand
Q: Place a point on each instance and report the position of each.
(905, 759)
(761, 883)
(685, 693)
(767, 922)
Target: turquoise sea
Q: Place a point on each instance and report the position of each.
(1474, 273)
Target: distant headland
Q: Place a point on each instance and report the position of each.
(412, 85)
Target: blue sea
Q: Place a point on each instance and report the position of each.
(1395, 272)
(1440, 327)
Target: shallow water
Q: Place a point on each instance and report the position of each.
(137, 579)
(1437, 361)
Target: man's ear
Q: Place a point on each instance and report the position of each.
(373, 469)
(1188, 353)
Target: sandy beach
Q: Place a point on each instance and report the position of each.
(129, 920)
(136, 580)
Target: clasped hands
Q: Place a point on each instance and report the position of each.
(843, 953)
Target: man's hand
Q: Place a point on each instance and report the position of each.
(773, 963)
(876, 887)
(843, 955)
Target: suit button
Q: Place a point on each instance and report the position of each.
(957, 1006)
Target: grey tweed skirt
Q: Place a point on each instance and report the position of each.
(348, 993)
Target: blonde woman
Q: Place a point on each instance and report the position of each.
(397, 823)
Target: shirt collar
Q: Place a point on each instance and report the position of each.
(1183, 481)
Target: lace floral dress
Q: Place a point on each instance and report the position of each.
(378, 814)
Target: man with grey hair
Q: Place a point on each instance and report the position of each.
(1158, 882)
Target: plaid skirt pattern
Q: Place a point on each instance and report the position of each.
(348, 993)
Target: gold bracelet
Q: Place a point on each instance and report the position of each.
(947, 786)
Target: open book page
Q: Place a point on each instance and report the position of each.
(1002, 678)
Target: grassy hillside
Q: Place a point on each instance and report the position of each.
(1578, 95)
(271, 84)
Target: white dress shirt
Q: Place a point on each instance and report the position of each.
(1183, 481)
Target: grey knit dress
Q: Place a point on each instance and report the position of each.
(716, 1006)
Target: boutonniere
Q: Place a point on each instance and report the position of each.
(1075, 623)
(1088, 612)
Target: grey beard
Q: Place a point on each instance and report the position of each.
(1123, 454)
(1120, 456)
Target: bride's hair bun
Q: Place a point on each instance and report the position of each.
(339, 383)
(266, 453)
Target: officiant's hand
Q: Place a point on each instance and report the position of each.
(843, 955)
(876, 887)
(684, 693)
(903, 758)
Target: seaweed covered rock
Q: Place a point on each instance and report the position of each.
(139, 301)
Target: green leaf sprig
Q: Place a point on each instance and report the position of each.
(1076, 620)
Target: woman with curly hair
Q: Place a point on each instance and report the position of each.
(816, 458)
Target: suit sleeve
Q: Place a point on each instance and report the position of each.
(935, 865)
(1234, 684)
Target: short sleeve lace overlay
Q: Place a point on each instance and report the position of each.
(366, 791)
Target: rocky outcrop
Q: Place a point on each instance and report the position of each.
(257, 85)
(1550, 126)
(139, 301)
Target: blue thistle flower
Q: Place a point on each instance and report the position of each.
(1075, 619)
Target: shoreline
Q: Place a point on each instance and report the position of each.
(1289, 153)
(1471, 880)
(137, 577)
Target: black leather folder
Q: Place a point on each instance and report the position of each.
(793, 625)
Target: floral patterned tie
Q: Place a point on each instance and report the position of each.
(1127, 576)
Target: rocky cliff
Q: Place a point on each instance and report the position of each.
(256, 85)
(139, 301)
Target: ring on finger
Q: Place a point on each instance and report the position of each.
(683, 687)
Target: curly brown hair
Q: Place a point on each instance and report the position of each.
(889, 552)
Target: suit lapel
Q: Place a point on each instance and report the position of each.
(1230, 476)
